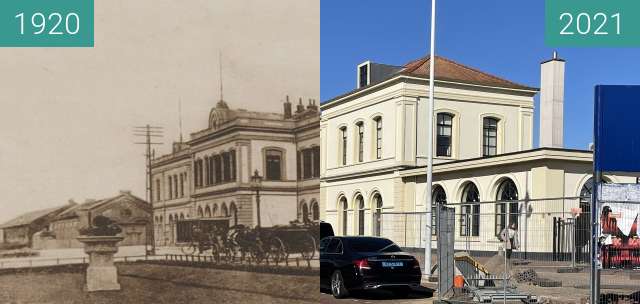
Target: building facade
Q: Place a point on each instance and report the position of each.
(210, 175)
(374, 141)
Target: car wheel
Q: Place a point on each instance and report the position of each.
(338, 289)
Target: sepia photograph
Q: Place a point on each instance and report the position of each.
(174, 161)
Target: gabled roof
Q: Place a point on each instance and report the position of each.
(30, 217)
(447, 69)
(94, 204)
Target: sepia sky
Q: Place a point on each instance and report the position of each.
(67, 114)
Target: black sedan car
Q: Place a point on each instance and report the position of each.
(366, 263)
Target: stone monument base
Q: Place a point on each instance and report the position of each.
(102, 278)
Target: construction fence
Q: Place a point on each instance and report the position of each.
(544, 255)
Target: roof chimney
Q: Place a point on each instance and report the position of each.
(287, 108)
(552, 102)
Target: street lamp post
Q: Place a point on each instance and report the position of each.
(256, 183)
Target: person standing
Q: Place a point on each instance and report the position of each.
(509, 236)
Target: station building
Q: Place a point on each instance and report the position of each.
(373, 148)
(210, 175)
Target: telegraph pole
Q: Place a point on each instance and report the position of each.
(147, 132)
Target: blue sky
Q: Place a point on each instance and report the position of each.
(504, 38)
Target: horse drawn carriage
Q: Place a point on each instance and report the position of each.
(214, 236)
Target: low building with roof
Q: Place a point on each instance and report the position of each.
(131, 213)
(20, 230)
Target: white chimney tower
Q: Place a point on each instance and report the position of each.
(552, 102)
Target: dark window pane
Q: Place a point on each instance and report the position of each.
(368, 244)
(274, 160)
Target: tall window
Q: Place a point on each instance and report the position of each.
(343, 144)
(307, 163)
(316, 161)
(170, 184)
(470, 214)
(217, 163)
(315, 211)
(195, 173)
(507, 192)
(360, 128)
(175, 186)
(444, 129)
(345, 208)
(182, 184)
(199, 166)
(158, 190)
(211, 171)
(232, 156)
(377, 215)
(439, 198)
(378, 121)
(234, 213)
(489, 136)
(226, 166)
(207, 173)
(274, 165)
(360, 204)
(363, 81)
(305, 213)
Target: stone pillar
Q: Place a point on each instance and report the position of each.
(102, 274)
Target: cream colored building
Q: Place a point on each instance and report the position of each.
(373, 148)
(209, 176)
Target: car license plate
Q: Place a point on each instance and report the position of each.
(391, 264)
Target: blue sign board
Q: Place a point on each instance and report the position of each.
(617, 128)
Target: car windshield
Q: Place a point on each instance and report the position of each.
(373, 245)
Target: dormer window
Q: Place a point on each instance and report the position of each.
(363, 75)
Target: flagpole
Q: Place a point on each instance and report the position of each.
(428, 204)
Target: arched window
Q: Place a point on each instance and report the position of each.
(378, 122)
(360, 206)
(170, 218)
(507, 191)
(360, 129)
(234, 213)
(274, 163)
(470, 214)
(207, 212)
(345, 208)
(439, 198)
(377, 214)
(182, 216)
(225, 211)
(200, 212)
(214, 210)
(315, 211)
(489, 136)
(444, 134)
(305, 213)
(343, 145)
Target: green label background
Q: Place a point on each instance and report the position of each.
(629, 11)
(10, 25)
